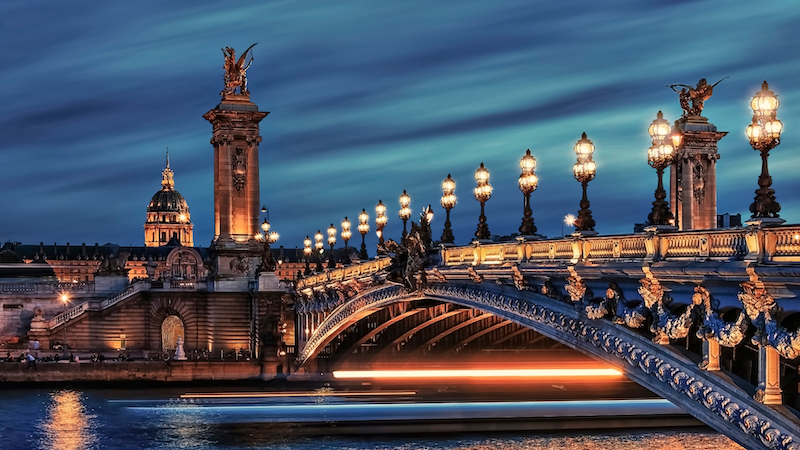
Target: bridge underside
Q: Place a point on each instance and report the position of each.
(407, 334)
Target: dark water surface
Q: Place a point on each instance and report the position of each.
(64, 419)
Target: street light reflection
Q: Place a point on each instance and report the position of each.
(477, 373)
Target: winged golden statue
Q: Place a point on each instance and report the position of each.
(236, 71)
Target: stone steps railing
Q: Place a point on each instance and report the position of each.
(43, 288)
(141, 285)
(68, 315)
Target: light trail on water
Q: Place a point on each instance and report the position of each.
(477, 373)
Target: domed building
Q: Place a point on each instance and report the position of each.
(168, 215)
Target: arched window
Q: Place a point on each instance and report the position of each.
(163, 236)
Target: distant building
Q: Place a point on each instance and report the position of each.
(168, 215)
(729, 220)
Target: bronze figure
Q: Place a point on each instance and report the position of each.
(697, 95)
(236, 71)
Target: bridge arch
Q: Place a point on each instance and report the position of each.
(709, 397)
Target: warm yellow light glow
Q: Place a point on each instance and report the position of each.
(265, 226)
(448, 185)
(569, 220)
(363, 217)
(482, 175)
(183, 217)
(659, 128)
(405, 200)
(584, 148)
(64, 298)
(477, 373)
(307, 242)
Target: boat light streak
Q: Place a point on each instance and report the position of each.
(477, 373)
(294, 394)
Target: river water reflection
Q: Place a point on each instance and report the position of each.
(148, 419)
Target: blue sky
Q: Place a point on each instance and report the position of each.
(368, 98)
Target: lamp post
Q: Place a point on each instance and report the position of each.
(65, 300)
(584, 171)
(483, 192)
(380, 220)
(405, 210)
(346, 234)
(307, 253)
(331, 242)
(528, 182)
(765, 134)
(319, 246)
(660, 155)
(448, 202)
(267, 263)
(363, 228)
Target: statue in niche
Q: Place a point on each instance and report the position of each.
(239, 168)
(236, 71)
(696, 95)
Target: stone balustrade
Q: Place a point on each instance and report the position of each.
(344, 273)
(765, 245)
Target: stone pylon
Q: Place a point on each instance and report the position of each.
(236, 182)
(693, 175)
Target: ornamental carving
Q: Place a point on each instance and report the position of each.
(436, 275)
(576, 289)
(651, 291)
(474, 276)
(411, 255)
(699, 186)
(756, 300)
(785, 342)
(548, 289)
(239, 167)
(519, 279)
(667, 374)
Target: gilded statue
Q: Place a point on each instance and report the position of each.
(236, 71)
(696, 95)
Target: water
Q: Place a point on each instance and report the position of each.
(63, 419)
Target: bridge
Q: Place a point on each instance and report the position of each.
(676, 312)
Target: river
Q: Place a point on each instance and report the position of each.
(174, 418)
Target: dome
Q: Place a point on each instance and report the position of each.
(168, 200)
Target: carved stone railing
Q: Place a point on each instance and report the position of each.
(778, 244)
(343, 273)
(141, 285)
(68, 315)
(773, 244)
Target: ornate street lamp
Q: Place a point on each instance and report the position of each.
(660, 155)
(318, 245)
(448, 202)
(528, 182)
(346, 233)
(331, 242)
(380, 220)
(307, 252)
(65, 300)
(483, 192)
(584, 171)
(405, 210)
(267, 263)
(765, 134)
(363, 228)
